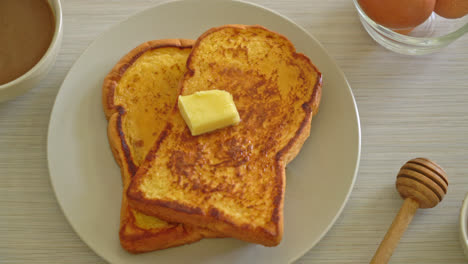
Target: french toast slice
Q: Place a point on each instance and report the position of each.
(138, 96)
(232, 180)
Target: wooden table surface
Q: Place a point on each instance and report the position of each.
(409, 107)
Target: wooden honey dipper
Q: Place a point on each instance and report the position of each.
(423, 184)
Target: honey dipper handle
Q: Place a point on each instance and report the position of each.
(396, 230)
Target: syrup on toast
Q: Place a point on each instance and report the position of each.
(138, 95)
(232, 180)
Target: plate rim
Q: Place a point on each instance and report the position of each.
(165, 2)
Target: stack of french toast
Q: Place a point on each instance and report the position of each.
(179, 188)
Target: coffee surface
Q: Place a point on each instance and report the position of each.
(26, 30)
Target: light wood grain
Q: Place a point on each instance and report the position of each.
(409, 107)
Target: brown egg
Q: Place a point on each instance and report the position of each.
(405, 31)
(451, 8)
(398, 14)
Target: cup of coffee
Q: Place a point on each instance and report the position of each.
(30, 39)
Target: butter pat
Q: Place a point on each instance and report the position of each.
(206, 111)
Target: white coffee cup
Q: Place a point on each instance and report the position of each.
(32, 77)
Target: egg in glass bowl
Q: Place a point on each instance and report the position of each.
(414, 27)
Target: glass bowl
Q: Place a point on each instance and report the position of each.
(435, 33)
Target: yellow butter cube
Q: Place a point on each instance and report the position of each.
(206, 111)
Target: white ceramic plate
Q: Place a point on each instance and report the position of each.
(86, 178)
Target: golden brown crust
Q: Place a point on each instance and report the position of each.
(269, 235)
(111, 80)
(133, 238)
(216, 221)
(312, 106)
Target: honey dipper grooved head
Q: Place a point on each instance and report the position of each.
(422, 180)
